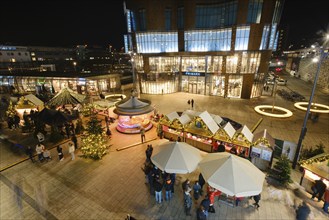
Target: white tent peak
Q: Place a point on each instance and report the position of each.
(209, 121)
(172, 116)
(184, 119)
(229, 129)
(247, 133)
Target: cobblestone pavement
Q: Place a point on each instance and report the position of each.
(115, 186)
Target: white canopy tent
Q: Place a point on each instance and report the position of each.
(209, 121)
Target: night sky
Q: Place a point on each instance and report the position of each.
(68, 23)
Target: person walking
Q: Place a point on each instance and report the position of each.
(29, 152)
(71, 150)
(303, 211)
(148, 152)
(257, 199)
(187, 202)
(192, 103)
(326, 201)
(201, 182)
(60, 153)
(39, 149)
(196, 190)
(201, 213)
(158, 190)
(168, 186)
(75, 141)
(142, 132)
(318, 189)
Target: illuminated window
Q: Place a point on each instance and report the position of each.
(254, 11)
(242, 38)
(272, 36)
(216, 15)
(208, 40)
(157, 42)
(265, 37)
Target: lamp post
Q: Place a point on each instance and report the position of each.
(304, 128)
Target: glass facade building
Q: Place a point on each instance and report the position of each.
(209, 47)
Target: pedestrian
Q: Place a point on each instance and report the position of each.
(108, 133)
(257, 199)
(71, 150)
(201, 213)
(303, 211)
(75, 141)
(186, 185)
(29, 152)
(60, 153)
(318, 188)
(201, 182)
(188, 102)
(196, 190)
(160, 131)
(187, 202)
(142, 132)
(206, 203)
(326, 201)
(192, 103)
(158, 190)
(39, 149)
(173, 180)
(168, 188)
(148, 152)
(107, 121)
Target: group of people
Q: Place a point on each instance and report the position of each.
(191, 102)
(319, 189)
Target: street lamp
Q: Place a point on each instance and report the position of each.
(304, 128)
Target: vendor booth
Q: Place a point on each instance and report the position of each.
(225, 136)
(242, 140)
(176, 128)
(315, 168)
(200, 130)
(27, 103)
(262, 150)
(133, 114)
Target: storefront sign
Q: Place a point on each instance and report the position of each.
(193, 74)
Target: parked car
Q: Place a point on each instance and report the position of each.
(281, 82)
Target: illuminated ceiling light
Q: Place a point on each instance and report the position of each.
(261, 110)
(325, 109)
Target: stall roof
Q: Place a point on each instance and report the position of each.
(217, 119)
(184, 119)
(133, 103)
(209, 121)
(264, 134)
(247, 133)
(172, 116)
(320, 168)
(35, 100)
(229, 129)
(191, 113)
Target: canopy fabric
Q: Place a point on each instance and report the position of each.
(233, 175)
(133, 102)
(54, 117)
(66, 96)
(247, 133)
(230, 131)
(264, 135)
(172, 116)
(191, 113)
(33, 99)
(184, 119)
(217, 119)
(104, 104)
(209, 121)
(177, 157)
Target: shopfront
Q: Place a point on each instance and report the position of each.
(193, 82)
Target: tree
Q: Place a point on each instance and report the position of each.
(94, 143)
(11, 111)
(282, 170)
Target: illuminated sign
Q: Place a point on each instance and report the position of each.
(193, 74)
(7, 48)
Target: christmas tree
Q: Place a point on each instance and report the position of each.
(282, 170)
(94, 144)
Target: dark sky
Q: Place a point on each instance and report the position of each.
(305, 19)
(102, 22)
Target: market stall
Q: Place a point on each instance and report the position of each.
(225, 136)
(315, 168)
(199, 131)
(27, 103)
(133, 114)
(176, 128)
(262, 150)
(242, 140)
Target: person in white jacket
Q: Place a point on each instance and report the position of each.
(71, 150)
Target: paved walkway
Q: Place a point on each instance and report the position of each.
(114, 186)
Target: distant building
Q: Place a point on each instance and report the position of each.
(12, 54)
(209, 47)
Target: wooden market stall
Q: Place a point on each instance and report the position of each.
(199, 131)
(242, 140)
(315, 168)
(225, 136)
(166, 123)
(176, 128)
(262, 150)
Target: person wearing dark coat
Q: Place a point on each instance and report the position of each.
(158, 190)
(201, 182)
(60, 153)
(75, 141)
(29, 152)
(256, 199)
(201, 213)
(206, 203)
(318, 189)
(303, 211)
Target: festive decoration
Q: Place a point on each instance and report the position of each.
(88, 109)
(11, 111)
(316, 159)
(282, 170)
(94, 144)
